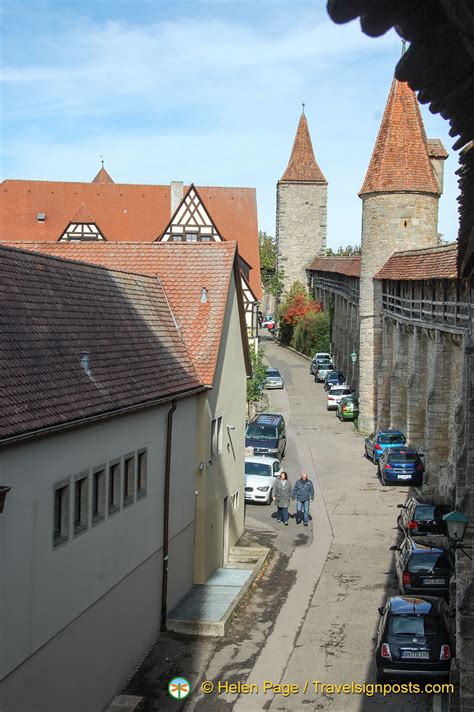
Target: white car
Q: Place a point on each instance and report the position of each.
(322, 356)
(274, 379)
(336, 393)
(260, 474)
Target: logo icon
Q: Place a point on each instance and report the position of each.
(179, 688)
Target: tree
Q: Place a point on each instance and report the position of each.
(312, 333)
(348, 251)
(259, 374)
(272, 277)
(296, 305)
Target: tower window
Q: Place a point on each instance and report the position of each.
(405, 222)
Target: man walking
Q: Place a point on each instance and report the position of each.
(303, 492)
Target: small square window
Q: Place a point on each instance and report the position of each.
(114, 488)
(128, 480)
(61, 514)
(98, 495)
(191, 237)
(405, 222)
(141, 472)
(81, 501)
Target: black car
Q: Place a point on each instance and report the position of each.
(424, 567)
(334, 378)
(266, 433)
(423, 516)
(414, 638)
(401, 464)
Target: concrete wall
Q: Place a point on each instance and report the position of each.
(301, 227)
(77, 619)
(223, 474)
(390, 222)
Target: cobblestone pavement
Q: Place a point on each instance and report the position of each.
(311, 615)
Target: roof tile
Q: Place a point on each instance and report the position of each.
(302, 166)
(428, 263)
(350, 266)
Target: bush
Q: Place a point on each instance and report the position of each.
(295, 306)
(312, 333)
(259, 374)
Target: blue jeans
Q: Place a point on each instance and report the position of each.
(282, 514)
(302, 508)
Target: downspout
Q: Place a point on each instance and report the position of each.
(166, 523)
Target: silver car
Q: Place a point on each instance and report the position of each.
(274, 379)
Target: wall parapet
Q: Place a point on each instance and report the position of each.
(347, 287)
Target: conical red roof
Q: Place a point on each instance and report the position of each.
(102, 177)
(400, 161)
(302, 166)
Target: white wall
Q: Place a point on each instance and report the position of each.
(46, 589)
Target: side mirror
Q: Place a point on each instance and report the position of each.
(394, 548)
(401, 506)
(381, 610)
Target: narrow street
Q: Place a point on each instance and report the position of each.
(312, 613)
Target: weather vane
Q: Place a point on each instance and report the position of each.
(303, 107)
(102, 161)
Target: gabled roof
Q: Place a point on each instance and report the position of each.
(191, 215)
(52, 313)
(302, 166)
(184, 269)
(350, 266)
(102, 177)
(400, 162)
(125, 213)
(427, 263)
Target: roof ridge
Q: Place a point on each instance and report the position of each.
(433, 248)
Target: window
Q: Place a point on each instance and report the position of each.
(81, 496)
(141, 472)
(61, 514)
(98, 495)
(191, 237)
(114, 487)
(235, 501)
(128, 479)
(216, 436)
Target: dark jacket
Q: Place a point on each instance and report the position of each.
(303, 491)
(282, 492)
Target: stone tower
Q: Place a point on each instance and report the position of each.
(400, 198)
(301, 215)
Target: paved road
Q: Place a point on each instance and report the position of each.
(345, 572)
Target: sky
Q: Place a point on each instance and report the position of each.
(208, 92)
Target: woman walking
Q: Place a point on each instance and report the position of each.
(282, 496)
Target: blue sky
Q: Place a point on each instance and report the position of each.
(208, 92)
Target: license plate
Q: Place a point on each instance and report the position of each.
(434, 582)
(404, 477)
(415, 654)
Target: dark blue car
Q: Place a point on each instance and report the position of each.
(379, 440)
(401, 464)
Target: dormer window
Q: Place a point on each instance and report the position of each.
(82, 228)
(191, 222)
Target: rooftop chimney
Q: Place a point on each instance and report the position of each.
(176, 193)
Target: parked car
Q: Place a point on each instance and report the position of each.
(348, 408)
(376, 443)
(334, 378)
(267, 319)
(414, 638)
(336, 394)
(322, 370)
(423, 516)
(266, 434)
(401, 464)
(274, 379)
(260, 474)
(423, 567)
(317, 362)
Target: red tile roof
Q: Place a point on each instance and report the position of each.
(302, 166)
(51, 312)
(400, 161)
(184, 269)
(350, 266)
(436, 148)
(82, 215)
(428, 263)
(125, 213)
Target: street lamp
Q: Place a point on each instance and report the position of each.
(354, 357)
(456, 524)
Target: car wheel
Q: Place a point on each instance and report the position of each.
(383, 481)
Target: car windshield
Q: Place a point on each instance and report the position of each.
(392, 439)
(429, 561)
(260, 431)
(402, 457)
(428, 512)
(337, 391)
(273, 373)
(413, 625)
(258, 468)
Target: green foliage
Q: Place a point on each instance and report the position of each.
(272, 278)
(259, 374)
(296, 303)
(311, 333)
(348, 251)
